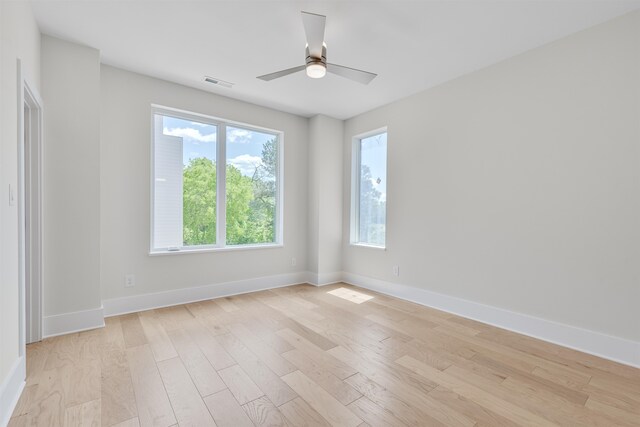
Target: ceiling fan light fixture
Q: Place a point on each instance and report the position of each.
(316, 70)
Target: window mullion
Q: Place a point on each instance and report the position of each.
(221, 186)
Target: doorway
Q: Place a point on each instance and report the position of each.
(29, 210)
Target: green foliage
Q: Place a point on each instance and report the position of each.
(372, 210)
(251, 201)
(199, 202)
(263, 205)
(239, 198)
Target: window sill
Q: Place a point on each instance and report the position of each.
(221, 249)
(364, 245)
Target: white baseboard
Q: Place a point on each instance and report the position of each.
(598, 344)
(11, 389)
(77, 321)
(135, 303)
(321, 279)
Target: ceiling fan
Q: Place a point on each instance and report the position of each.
(316, 55)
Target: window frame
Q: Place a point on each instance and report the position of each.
(356, 161)
(221, 184)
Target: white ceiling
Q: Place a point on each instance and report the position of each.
(411, 45)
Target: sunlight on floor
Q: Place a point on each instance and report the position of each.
(350, 295)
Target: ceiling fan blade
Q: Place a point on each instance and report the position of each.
(359, 76)
(282, 73)
(314, 28)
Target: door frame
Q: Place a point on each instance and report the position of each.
(30, 230)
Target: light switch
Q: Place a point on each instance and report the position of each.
(12, 195)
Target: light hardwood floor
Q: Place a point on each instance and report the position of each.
(301, 356)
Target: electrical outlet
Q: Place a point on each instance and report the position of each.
(129, 281)
(293, 262)
(396, 270)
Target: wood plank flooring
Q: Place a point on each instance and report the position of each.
(307, 356)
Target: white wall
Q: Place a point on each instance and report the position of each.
(71, 94)
(325, 199)
(125, 190)
(518, 186)
(20, 38)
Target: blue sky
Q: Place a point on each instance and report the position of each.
(374, 154)
(244, 147)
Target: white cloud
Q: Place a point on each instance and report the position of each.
(202, 125)
(241, 136)
(190, 133)
(246, 163)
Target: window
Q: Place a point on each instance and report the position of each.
(369, 184)
(215, 184)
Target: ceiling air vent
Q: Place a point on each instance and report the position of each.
(218, 82)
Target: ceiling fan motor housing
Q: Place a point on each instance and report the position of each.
(313, 60)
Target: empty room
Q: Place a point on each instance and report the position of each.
(352, 213)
